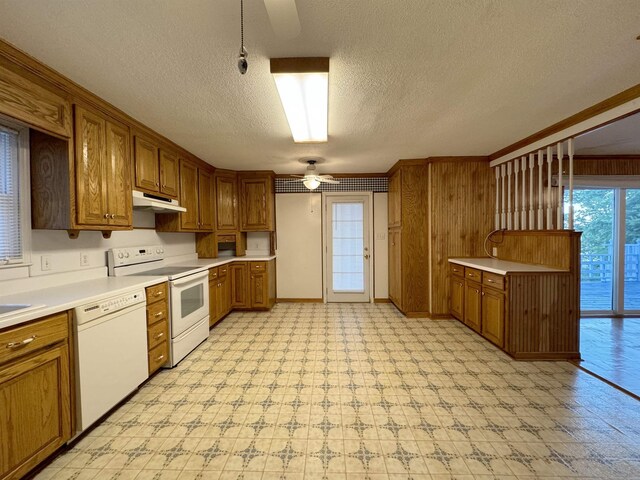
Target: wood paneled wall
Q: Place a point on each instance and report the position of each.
(553, 248)
(462, 207)
(607, 165)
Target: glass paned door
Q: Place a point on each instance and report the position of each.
(348, 254)
(632, 250)
(595, 217)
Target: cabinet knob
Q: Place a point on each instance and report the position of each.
(113, 215)
(106, 215)
(483, 294)
(157, 184)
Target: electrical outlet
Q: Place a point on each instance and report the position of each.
(45, 263)
(84, 259)
(494, 251)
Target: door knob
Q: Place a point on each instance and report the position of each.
(367, 256)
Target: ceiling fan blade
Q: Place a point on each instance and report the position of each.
(326, 176)
(297, 176)
(294, 181)
(283, 16)
(327, 180)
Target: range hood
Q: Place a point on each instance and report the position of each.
(148, 201)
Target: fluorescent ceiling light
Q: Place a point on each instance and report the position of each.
(303, 86)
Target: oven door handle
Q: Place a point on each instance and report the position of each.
(199, 277)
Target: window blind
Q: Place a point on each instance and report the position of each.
(10, 224)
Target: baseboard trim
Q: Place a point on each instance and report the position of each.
(417, 315)
(381, 300)
(299, 300)
(440, 316)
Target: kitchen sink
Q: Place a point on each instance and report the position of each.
(15, 308)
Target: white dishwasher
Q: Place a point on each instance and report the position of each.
(111, 353)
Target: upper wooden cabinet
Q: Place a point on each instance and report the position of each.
(257, 201)
(156, 168)
(226, 200)
(87, 187)
(103, 171)
(26, 100)
(196, 195)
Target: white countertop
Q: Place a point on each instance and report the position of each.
(72, 295)
(68, 296)
(502, 267)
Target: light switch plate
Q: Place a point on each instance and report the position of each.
(45, 263)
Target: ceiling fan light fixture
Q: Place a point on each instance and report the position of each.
(303, 87)
(311, 183)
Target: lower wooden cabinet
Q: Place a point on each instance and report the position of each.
(457, 297)
(478, 300)
(493, 316)
(239, 290)
(242, 286)
(157, 326)
(473, 305)
(35, 393)
(262, 284)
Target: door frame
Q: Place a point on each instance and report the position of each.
(619, 185)
(325, 241)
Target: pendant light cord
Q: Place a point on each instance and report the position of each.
(241, 26)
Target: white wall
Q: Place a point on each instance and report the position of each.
(299, 245)
(380, 246)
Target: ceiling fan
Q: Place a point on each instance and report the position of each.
(311, 179)
(283, 16)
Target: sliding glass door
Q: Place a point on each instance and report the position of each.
(609, 219)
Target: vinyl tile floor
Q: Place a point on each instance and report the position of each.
(357, 391)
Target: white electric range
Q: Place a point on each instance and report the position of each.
(188, 294)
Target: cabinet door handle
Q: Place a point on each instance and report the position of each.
(461, 284)
(159, 335)
(477, 291)
(24, 342)
(483, 294)
(157, 294)
(161, 357)
(490, 281)
(469, 274)
(157, 184)
(159, 314)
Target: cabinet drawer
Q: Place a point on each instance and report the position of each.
(227, 238)
(493, 280)
(156, 293)
(457, 270)
(157, 334)
(257, 266)
(472, 274)
(156, 312)
(24, 339)
(222, 271)
(213, 274)
(158, 356)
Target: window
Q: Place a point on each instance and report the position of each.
(13, 204)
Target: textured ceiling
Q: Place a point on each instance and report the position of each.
(410, 78)
(618, 138)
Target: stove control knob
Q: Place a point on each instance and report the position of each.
(126, 255)
(158, 251)
(120, 255)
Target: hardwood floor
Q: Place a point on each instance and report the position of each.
(610, 348)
